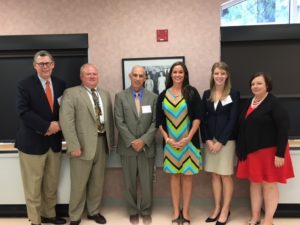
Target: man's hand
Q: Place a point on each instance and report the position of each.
(138, 145)
(76, 153)
(53, 128)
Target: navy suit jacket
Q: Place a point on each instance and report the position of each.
(220, 123)
(35, 116)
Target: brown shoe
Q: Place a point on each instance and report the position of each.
(147, 219)
(134, 219)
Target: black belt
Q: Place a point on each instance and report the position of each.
(102, 134)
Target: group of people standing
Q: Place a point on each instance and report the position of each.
(256, 132)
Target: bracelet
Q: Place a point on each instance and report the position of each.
(167, 140)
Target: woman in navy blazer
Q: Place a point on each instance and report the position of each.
(220, 105)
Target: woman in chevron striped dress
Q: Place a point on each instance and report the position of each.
(178, 119)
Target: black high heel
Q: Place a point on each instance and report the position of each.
(210, 220)
(178, 219)
(223, 223)
(184, 220)
(253, 223)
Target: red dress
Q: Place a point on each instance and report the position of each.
(259, 165)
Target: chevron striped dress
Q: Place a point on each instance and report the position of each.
(179, 161)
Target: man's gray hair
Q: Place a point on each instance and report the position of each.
(42, 53)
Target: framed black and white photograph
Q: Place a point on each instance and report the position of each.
(157, 71)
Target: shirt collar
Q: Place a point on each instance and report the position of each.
(90, 89)
(141, 91)
(43, 81)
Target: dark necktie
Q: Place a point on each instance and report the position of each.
(97, 110)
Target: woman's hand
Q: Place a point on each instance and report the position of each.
(216, 147)
(209, 144)
(178, 144)
(171, 142)
(279, 162)
(183, 142)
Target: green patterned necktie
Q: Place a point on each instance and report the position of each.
(97, 110)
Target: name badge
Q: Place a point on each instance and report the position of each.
(146, 109)
(226, 101)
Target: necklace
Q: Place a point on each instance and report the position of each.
(174, 95)
(256, 102)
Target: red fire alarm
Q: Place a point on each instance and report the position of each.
(162, 35)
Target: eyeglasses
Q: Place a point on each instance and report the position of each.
(42, 64)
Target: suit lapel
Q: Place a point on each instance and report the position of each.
(104, 101)
(41, 93)
(55, 93)
(85, 97)
(211, 105)
(145, 100)
(131, 101)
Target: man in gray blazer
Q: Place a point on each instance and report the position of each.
(135, 120)
(86, 120)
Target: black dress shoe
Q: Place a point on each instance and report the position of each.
(54, 220)
(210, 220)
(147, 219)
(75, 222)
(98, 218)
(223, 223)
(134, 219)
(35, 224)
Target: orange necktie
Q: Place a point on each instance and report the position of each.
(49, 95)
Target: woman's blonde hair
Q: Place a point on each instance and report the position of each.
(227, 86)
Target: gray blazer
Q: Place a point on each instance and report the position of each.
(132, 127)
(78, 121)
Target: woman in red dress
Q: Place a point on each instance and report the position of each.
(262, 148)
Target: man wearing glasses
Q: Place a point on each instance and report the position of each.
(39, 139)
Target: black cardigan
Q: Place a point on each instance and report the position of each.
(194, 112)
(267, 126)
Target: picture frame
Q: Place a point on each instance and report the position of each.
(157, 71)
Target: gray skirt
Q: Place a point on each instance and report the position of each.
(221, 163)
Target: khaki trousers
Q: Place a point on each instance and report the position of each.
(40, 175)
(87, 178)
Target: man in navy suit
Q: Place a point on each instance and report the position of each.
(39, 139)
